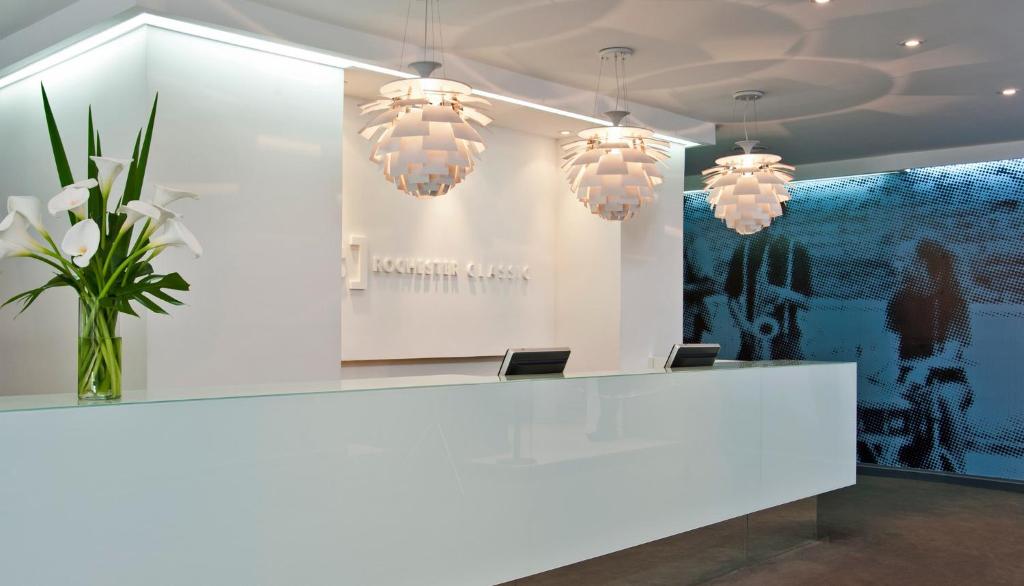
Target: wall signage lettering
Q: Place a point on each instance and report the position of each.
(427, 267)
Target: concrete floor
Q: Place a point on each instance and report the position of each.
(881, 531)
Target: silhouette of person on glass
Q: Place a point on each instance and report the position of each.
(769, 281)
(698, 287)
(929, 315)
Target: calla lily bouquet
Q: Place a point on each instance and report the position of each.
(106, 254)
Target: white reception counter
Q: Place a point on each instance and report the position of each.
(433, 480)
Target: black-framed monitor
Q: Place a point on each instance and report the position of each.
(523, 361)
(687, 355)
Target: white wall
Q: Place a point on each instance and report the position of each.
(652, 272)
(502, 213)
(589, 278)
(258, 136)
(261, 138)
(612, 292)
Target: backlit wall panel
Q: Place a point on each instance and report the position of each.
(918, 276)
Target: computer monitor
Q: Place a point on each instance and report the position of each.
(520, 361)
(686, 355)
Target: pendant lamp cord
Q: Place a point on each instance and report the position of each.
(440, 33)
(597, 90)
(405, 36)
(626, 86)
(433, 33)
(746, 107)
(621, 89)
(426, 8)
(757, 130)
(618, 83)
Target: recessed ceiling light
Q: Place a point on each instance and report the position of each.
(911, 43)
(822, 1)
(565, 132)
(1010, 91)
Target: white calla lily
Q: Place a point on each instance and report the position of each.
(165, 196)
(108, 169)
(29, 207)
(139, 210)
(81, 242)
(174, 233)
(85, 184)
(7, 249)
(71, 199)
(17, 240)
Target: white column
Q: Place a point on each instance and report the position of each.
(652, 272)
(588, 286)
(258, 136)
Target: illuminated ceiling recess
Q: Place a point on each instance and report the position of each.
(747, 191)
(422, 129)
(94, 38)
(613, 169)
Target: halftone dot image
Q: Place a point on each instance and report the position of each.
(918, 276)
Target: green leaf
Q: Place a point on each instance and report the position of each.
(92, 171)
(148, 304)
(29, 297)
(165, 297)
(60, 157)
(90, 167)
(124, 307)
(147, 285)
(131, 186)
(143, 158)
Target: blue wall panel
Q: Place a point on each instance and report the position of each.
(918, 276)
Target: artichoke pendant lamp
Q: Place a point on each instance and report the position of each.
(613, 170)
(423, 128)
(747, 191)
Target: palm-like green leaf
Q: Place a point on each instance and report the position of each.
(92, 172)
(143, 158)
(130, 186)
(146, 290)
(29, 297)
(133, 183)
(60, 157)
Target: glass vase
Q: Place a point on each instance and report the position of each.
(99, 353)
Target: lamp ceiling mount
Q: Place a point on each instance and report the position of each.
(748, 95)
(616, 52)
(425, 68)
(616, 116)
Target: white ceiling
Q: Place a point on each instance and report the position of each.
(838, 83)
(17, 14)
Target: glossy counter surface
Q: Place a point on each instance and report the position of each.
(32, 402)
(435, 480)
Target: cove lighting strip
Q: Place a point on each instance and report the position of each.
(276, 48)
(568, 114)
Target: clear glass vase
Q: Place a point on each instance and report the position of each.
(99, 353)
